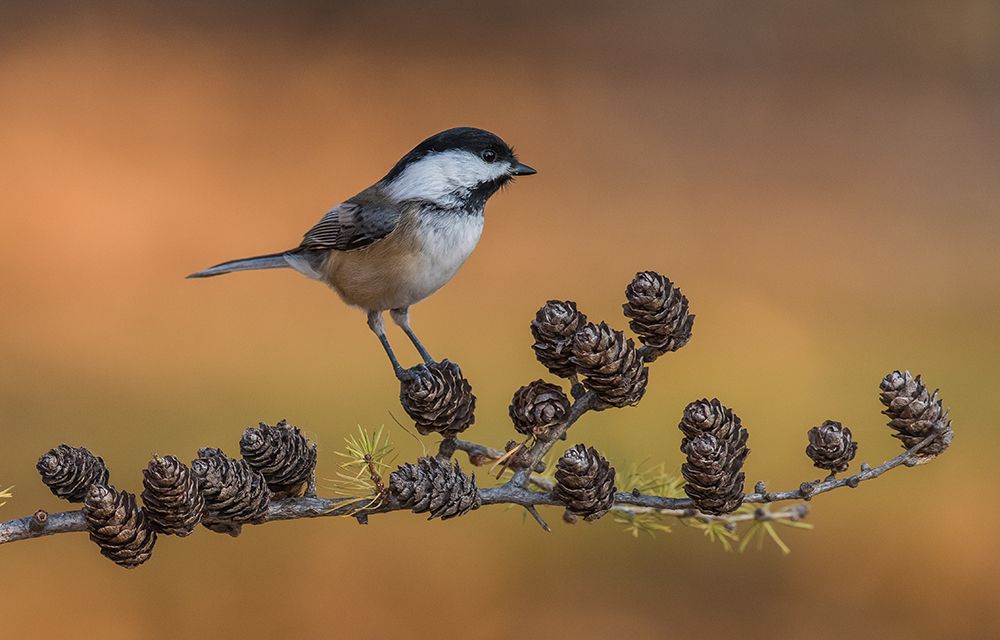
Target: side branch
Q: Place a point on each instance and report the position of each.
(583, 403)
(809, 489)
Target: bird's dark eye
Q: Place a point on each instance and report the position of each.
(489, 155)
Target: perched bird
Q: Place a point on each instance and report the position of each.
(404, 237)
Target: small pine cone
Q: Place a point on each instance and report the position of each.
(431, 485)
(439, 399)
(659, 312)
(713, 474)
(831, 447)
(170, 497)
(537, 407)
(914, 414)
(610, 364)
(585, 482)
(282, 455)
(118, 526)
(711, 416)
(553, 328)
(70, 471)
(234, 493)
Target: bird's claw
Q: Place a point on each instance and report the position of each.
(409, 375)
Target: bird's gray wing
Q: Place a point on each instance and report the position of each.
(357, 223)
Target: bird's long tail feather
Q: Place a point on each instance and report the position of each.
(270, 261)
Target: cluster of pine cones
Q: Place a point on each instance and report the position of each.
(613, 370)
(217, 491)
(608, 365)
(439, 399)
(602, 365)
(715, 444)
(915, 414)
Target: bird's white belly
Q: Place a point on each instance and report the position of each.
(446, 241)
(412, 263)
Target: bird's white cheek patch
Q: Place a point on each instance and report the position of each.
(439, 177)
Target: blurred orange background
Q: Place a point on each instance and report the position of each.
(820, 178)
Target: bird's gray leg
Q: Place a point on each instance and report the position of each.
(402, 318)
(377, 325)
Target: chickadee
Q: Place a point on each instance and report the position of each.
(404, 237)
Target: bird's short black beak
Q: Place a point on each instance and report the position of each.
(522, 170)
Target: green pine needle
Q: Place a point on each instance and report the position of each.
(656, 480)
(364, 454)
(636, 523)
(758, 533)
(769, 528)
(717, 532)
(651, 480)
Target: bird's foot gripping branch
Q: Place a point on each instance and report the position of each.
(603, 369)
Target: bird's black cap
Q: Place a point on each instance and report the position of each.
(471, 139)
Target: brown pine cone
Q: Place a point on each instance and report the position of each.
(170, 497)
(69, 471)
(715, 444)
(536, 407)
(711, 416)
(914, 414)
(439, 399)
(282, 455)
(434, 486)
(713, 474)
(585, 482)
(118, 526)
(553, 328)
(234, 493)
(610, 364)
(831, 447)
(659, 313)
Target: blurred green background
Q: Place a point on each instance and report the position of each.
(821, 179)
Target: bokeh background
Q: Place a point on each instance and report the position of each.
(821, 179)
